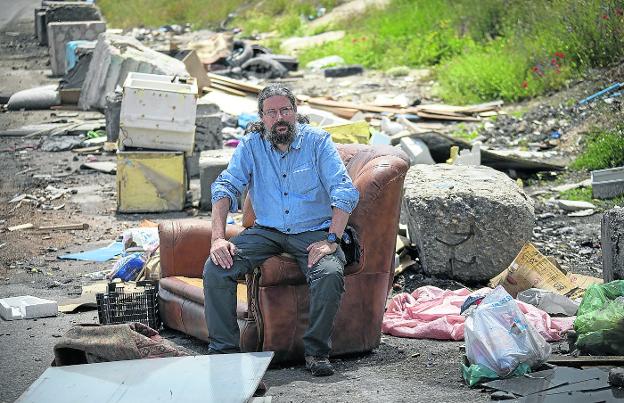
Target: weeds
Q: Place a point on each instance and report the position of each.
(603, 149)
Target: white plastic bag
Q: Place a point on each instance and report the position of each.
(499, 337)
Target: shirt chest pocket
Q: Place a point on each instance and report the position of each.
(304, 179)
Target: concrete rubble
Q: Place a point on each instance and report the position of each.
(211, 164)
(61, 11)
(59, 33)
(467, 222)
(113, 58)
(613, 245)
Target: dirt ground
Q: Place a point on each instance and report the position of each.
(399, 370)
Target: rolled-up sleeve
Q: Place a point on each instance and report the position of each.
(334, 176)
(233, 180)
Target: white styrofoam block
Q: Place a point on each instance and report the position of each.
(27, 307)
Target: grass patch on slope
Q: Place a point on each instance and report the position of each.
(603, 149)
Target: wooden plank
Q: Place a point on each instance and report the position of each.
(446, 117)
(64, 227)
(345, 113)
(86, 150)
(351, 105)
(20, 227)
(237, 84)
(227, 89)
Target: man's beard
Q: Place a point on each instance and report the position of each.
(276, 137)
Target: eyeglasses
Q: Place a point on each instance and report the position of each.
(284, 112)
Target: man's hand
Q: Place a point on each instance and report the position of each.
(221, 252)
(319, 249)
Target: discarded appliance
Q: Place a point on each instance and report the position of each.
(158, 112)
(150, 182)
(27, 307)
(607, 183)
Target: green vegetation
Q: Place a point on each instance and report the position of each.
(580, 194)
(155, 13)
(603, 149)
(463, 133)
(585, 194)
(480, 49)
(488, 49)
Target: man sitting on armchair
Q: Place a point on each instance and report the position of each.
(302, 197)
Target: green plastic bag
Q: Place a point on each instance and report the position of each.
(476, 374)
(600, 320)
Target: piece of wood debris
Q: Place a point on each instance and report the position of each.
(64, 227)
(20, 227)
(88, 150)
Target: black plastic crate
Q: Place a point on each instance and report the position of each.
(115, 306)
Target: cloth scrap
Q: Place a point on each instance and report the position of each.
(433, 313)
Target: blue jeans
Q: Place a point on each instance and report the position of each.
(254, 245)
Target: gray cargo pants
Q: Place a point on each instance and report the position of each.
(254, 245)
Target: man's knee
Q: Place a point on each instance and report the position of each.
(214, 276)
(329, 272)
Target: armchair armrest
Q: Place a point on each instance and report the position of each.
(185, 246)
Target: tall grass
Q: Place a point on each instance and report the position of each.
(488, 49)
(603, 149)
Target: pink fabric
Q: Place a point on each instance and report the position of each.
(432, 313)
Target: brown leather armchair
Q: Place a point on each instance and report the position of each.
(276, 314)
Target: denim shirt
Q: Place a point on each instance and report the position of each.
(292, 191)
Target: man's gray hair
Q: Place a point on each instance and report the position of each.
(273, 90)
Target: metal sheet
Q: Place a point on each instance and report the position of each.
(557, 380)
(206, 378)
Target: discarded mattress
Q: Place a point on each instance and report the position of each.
(432, 313)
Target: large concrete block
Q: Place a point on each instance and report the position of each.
(59, 33)
(211, 164)
(613, 245)
(468, 223)
(114, 57)
(208, 132)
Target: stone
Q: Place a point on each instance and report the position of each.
(616, 377)
(114, 57)
(208, 132)
(59, 33)
(574, 205)
(211, 164)
(612, 234)
(468, 223)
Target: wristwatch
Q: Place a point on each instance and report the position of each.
(332, 238)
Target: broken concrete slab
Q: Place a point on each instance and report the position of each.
(468, 223)
(612, 240)
(114, 57)
(27, 307)
(607, 183)
(59, 33)
(417, 151)
(211, 164)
